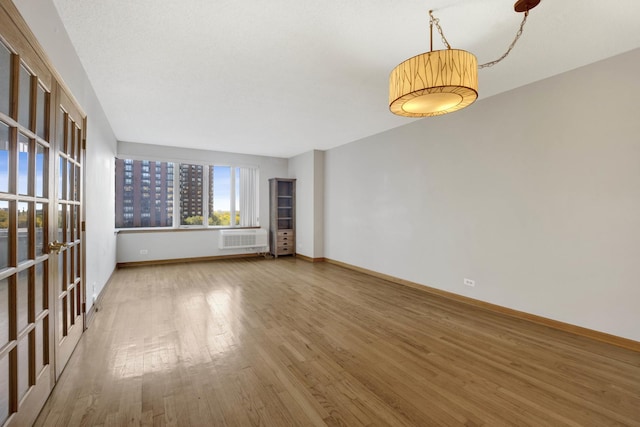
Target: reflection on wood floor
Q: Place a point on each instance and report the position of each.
(288, 342)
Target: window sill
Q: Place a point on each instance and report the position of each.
(176, 230)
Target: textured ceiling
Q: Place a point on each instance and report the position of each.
(282, 77)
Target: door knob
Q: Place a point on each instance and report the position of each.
(56, 246)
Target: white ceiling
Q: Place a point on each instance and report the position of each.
(282, 77)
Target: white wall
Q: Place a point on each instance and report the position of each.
(192, 243)
(308, 169)
(301, 168)
(534, 194)
(42, 17)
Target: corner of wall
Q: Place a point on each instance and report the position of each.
(318, 204)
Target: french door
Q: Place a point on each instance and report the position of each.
(41, 246)
(67, 245)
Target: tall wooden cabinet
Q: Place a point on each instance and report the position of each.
(282, 216)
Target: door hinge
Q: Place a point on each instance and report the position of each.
(83, 226)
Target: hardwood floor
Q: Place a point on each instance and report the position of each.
(288, 342)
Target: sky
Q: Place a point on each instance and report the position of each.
(222, 188)
(23, 164)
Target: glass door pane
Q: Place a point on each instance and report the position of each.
(4, 386)
(41, 112)
(4, 234)
(40, 173)
(24, 237)
(5, 85)
(23, 164)
(4, 312)
(4, 158)
(24, 97)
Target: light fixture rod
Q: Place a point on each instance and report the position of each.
(435, 21)
(430, 31)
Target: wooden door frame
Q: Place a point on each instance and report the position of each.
(83, 216)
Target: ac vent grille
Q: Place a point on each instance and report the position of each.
(238, 239)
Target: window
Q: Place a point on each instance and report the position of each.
(191, 209)
(233, 196)
(137, 205)
(226, 196)
(220, 200)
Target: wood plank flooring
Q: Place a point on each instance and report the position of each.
(286, 342)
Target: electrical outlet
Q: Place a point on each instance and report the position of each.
(143, 251)
(469, 282)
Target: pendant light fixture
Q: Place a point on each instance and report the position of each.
(441, 81)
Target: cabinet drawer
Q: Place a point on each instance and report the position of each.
(284, 250)
(284, 233)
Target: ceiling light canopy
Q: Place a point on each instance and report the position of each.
(441, 81)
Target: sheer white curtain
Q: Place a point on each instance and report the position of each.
(249, 201)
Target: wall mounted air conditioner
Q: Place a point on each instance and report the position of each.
(245, 238)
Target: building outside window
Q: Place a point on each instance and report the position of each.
(226, 196)
(191, 209)
(143, 200)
